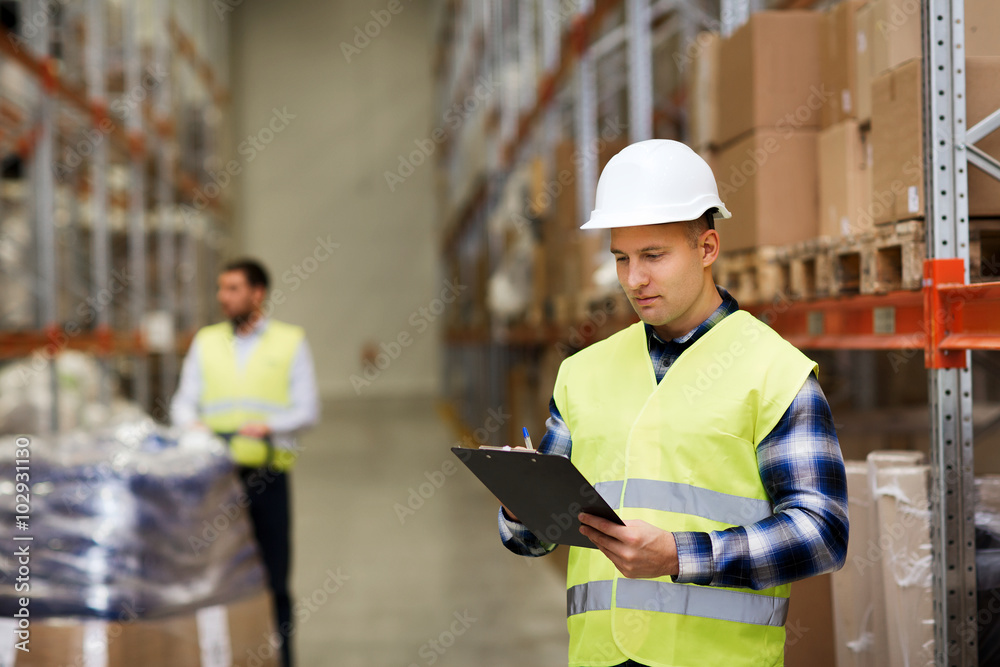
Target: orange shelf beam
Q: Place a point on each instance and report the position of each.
(945, 317)
(878, 322)
(102, 342)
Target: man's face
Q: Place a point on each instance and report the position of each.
(236, 297)
(662, 275)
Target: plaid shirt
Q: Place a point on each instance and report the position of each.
(800, 466)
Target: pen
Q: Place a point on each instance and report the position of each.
(527, 439)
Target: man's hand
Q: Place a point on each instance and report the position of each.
(255, 430)
(639, 550)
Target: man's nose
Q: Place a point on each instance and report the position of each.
(636, 276)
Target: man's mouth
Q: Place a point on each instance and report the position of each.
(645, 300)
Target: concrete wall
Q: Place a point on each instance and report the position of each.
(321, 180)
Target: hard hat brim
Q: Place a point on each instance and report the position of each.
(655, 216)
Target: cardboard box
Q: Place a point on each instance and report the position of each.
(853, 623)
(897, 144)
(839, 62)
(843, 174)
(770, 72)
(703, 87)
(864, 24)
(897, 140)
(868, 219)
(239, 630)
(896, 33)
(768, 181)
(875, 554)
(905, 533)
(982, 27)
(809, 627)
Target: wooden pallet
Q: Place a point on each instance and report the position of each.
(810, 271)
(754, 276)
(885, 259)
(895, 260)
(984, 250)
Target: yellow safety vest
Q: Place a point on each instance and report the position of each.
(680, 455)
(231, 397)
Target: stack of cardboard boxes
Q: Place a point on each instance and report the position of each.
(813, 123)
(767, 100)
(874, 124)
(238, 634)
(897, 107)
(844, 158)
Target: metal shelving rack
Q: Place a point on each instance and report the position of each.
(563, 98)
(139, 193)
(946, 320)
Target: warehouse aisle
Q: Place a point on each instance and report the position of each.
(431, 587)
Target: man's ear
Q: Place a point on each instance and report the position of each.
(708, 244)
(259, 295)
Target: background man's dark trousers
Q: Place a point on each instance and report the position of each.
(270, 516)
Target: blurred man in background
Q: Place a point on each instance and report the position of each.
(251, 380)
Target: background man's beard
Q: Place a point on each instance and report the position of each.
(241, 319)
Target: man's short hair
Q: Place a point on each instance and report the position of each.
(253, 270)
(699, 226)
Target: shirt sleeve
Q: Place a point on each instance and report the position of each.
(184, 406)
(802, 469)
(304, 409)
(515, 536)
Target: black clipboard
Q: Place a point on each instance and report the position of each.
(545, 491)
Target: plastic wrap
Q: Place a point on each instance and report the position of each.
(26, 394)
(905, 534)
(988, 567)
(879, 614)
(132, 520)
(16, 257)
(853, 584)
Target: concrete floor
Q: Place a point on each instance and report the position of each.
(431, 587)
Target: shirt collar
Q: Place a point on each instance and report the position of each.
(258, 328)
(727, 307)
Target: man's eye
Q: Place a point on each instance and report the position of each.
(621, 259)
(654, 256)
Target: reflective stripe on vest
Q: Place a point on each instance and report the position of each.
(592, 596)
(215, 407)
(656, 494)
(663, 596)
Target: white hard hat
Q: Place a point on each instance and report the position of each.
(654, 181)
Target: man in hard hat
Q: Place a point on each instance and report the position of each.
(251, 380)
(705, 431)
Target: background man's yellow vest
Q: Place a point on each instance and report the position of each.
(680, 455)
(231, 396)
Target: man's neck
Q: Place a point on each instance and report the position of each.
(706, 304)
(247, 327)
